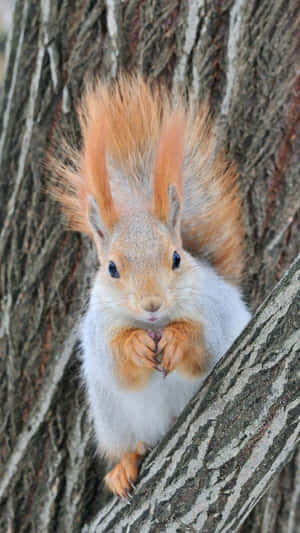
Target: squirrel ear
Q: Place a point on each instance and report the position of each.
(167, 170)
(96, 222)
(102, 215)
(174, 209)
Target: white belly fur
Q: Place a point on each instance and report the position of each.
(122, 417)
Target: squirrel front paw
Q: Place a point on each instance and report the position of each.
(140, 349)
(172, 347)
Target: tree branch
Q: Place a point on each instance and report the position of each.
(241, 428)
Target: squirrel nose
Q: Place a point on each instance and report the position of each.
(151, 303)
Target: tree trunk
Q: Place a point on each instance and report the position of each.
(239, 54)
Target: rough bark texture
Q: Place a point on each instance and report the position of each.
(238, 431)
(242, 56)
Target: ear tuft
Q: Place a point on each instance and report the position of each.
(93, 161)
(167, 171)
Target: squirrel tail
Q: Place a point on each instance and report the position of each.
(212, 224)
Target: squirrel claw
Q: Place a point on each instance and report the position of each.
(129, 496)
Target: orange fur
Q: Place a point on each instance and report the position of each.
(222, 231)
(127, 368)
(168, 165)
(120, 479)
(69, 188)
(93, 164)
(141, 131)
(183, 348)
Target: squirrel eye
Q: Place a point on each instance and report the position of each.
(112, 269)
(176, 260)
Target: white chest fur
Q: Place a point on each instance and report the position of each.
(123, 417)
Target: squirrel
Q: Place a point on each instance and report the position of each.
(159, 199)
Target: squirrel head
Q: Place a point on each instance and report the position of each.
(132, 154)
(142, 262)
(139, 245)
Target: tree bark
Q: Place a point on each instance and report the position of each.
(242, 57)
(237, 433)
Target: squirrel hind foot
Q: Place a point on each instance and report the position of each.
(121, 479)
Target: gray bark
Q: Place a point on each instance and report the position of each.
(239, 54)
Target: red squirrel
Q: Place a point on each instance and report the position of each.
(160, 202)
